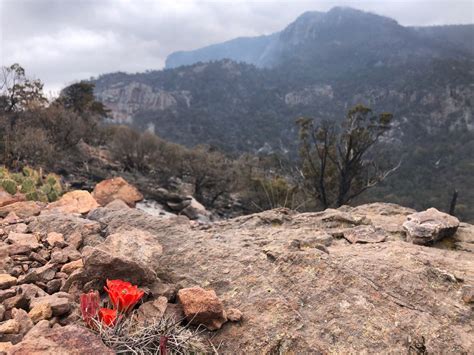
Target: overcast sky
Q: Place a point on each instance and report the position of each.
(60, 41)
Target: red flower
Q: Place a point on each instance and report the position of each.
(123, 295)
(107, 316)
(89, 306)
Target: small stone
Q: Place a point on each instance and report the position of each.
(202, 307)
(53, 286)
(55, 239)
(61, 275)
(46, 272)
(25, 239)
(59, 303)
(40, 312)
(17, 249)
(4, 294)
(18, 301)
(234, 315)
(468, 293)
(23, 320)
(152, 310)
(6, 281)
(2, 312)
(59, 257)
(37, 257)
(71, 266)
(10, 326)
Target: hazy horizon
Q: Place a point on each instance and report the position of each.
(61, 42)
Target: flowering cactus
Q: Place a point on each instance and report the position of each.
(123, 295)
(89, 306)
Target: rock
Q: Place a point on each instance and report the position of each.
(365, 234)
(17, 301)
(129, 255)
(429, 226)
(22, 209)
(59, 303)
(6, 281)
(116, 188)
(468, 293)
(53, 286)
(71, 266)
(174, 312)
(71, 339)
(27, 240)
(2, 312)
(77, 201)
(23, 320)
(234, 315)
(152, 311)
(195, 210)
(10, 326)
(72, 227)
(4, 294)
(55, 239)
(11, 218)
(59, 257)
(202, 307)
(5, 346)
(37, 257)
(117, 205)
(40, 311)
(30, 291)
(7, 199)
(44, 274)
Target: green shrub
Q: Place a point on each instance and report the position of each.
(9, 186)
(17, 177)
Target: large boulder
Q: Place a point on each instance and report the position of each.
(78, 201)
(429, 226)
(129, 255)
(116, 188)
(71, 340)
(202, 307)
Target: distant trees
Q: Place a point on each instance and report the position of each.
(336, 165)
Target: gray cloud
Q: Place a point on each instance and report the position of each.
(61, 41)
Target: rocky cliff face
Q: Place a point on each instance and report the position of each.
(342, 281)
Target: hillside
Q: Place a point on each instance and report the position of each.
(326, 63)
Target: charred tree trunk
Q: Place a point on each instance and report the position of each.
(452, 206)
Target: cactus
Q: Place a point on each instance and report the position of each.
(31, 183)
(3, 172)
(53, 196)
(9, 186)
(28, 185)
(32, 196)
(33, 174)
(17, 177)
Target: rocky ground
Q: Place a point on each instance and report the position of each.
(339, 281)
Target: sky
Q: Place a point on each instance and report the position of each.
(63, 41)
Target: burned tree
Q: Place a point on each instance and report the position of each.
(336, 165)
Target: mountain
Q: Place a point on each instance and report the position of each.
(319, 66)
(351, 37)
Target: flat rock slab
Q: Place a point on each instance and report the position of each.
(72, 340)
(429, 226)
(365, 234)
